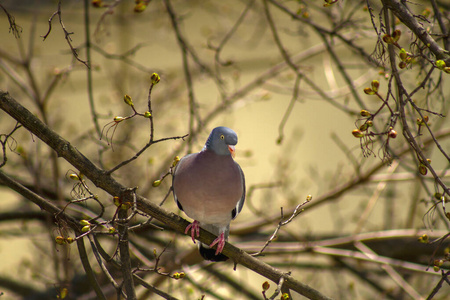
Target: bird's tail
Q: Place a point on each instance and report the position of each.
(210, 253)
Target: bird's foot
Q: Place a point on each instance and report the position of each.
(220, 241)
(194, 227)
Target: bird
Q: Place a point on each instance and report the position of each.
(209, 186)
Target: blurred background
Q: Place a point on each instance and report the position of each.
(289, 78)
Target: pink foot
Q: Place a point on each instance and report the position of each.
(195, 230)
(220, 241)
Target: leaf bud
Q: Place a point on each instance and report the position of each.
(176, 159)
(365, 113)
(127, 99)
(396, 35)
(375, 85)
(74, 176)
(182, 274)
(364, 127)
(403, 55)
(265, 285)
(402, 65)
(156, 183)
(285, 296)
(118, 119)
(440, 64)
(70, 240)
(369, 91)
(308, 198)
(155, 78)
(84, 222)
(392, 134)
(423, 169)
(97, 3)
(426, 12)
(147, 114)
(388, 39)
(176, 275)
(369, 123)
(438, 262)
(438, 196)
(357, 133)
(125, 206)
(447, 70)
(117, 201)
(86, 228)
(111, 230)
(436, 268)
(140, 7)
(60, 240)
(63, 293)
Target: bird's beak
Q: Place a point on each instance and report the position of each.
(232, 150)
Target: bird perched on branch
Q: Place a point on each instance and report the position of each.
(209, 186)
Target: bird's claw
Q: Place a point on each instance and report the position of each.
(194, 227)
(220, 241)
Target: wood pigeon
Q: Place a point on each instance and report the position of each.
(209, 186)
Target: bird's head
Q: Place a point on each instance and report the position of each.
(222, 141)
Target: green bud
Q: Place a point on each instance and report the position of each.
(403, 55)
(285, 296)
(127, 99)
(364, 127)
(440, 64)
(74, 176)
(357, 133)
(176, 159)
(84, 222)
(147, 114)
(265, 285)
(369, 91)
(156, 183)
(140, 7)
(117, 201)
(423, 169)
(375, 85)
(118, 119)
(86, 228)
(155, 78)
(60, 240)
(365, 113)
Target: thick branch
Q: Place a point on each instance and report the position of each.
(407, 18)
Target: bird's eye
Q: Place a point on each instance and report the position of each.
(222, 137)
